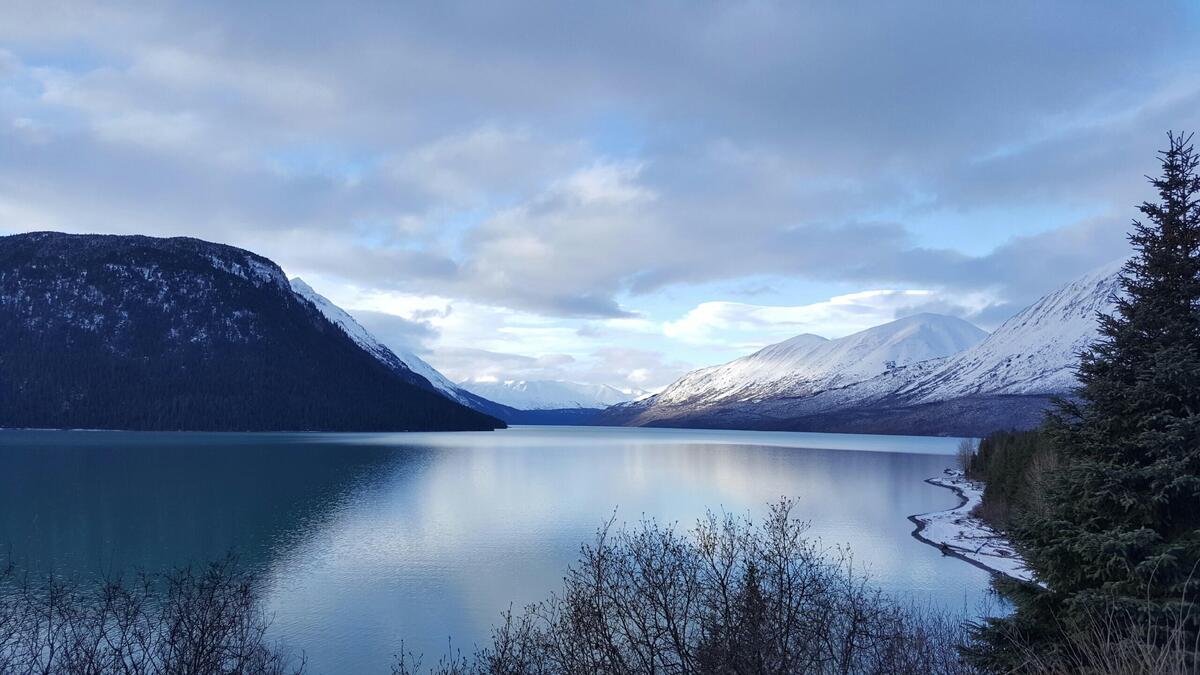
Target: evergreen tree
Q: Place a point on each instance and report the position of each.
(1122, 523)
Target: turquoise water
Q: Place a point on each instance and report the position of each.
(367, 539)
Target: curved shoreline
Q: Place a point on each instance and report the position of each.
(1014, 570)
(946, 549)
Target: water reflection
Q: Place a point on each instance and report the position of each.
(366, 539)
(87, 503)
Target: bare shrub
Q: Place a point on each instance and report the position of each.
(186, 622)
(726, 597)
(965, 454)
(1042, 465)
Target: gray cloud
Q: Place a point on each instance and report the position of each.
(398, 331)
(559, 158)
(626, 368)
(464, 363)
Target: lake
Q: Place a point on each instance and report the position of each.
(367, 539)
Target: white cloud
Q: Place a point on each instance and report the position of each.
(730, 323)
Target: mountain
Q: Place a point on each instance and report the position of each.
(1034, 352)
(129, 332)
(404, 361)
(807, 364)
(549, 394)
(394, 358)
(1005, 380)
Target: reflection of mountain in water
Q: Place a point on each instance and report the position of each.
(96, 503)
(370, 539)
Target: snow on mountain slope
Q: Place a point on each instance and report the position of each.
(807, 364)
(1032, 354)
(1035, 352)
(537, 395)
(549, 394)
(393, 358)
(1002, 381)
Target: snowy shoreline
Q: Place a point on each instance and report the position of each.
(955, 532)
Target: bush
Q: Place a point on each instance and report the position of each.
(181, 623)
(728, 597)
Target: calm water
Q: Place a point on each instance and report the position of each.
(367, 539)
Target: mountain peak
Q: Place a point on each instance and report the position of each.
(548, 394)
(1035, 351)
(808, 363)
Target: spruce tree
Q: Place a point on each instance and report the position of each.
(1122, 523)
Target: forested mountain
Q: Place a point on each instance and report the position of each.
(130, 332)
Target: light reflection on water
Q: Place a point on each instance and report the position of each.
(367, 539)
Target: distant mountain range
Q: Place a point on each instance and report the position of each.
(550, 394)
(925, 374)
(102, 331)
(539, 402)
(396, 359)
(128, 332)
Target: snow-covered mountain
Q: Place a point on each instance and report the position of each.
(892, 378)
(1035, 352)
(395, 358)
(1032, 354)
(514, 402)
(549, 394)
(807, 364)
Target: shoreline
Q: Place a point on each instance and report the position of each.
(958, 534)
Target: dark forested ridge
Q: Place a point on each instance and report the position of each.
(129, 332)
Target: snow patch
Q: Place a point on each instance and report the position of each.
(254, 270)
(956, 532)
(1036, 351)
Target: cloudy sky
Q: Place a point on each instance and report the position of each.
(606, 192)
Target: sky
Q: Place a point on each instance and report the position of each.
(606, 192)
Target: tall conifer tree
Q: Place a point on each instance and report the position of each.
(1121, 525)
(1125, 512)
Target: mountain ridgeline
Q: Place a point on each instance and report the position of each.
(925, 374)
(131, 332)
(403, 361)
(533, 395)
(127, 332)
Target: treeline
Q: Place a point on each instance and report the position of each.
(1014, 466)
(286, 384)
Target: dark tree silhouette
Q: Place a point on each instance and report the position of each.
(1118, 524)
